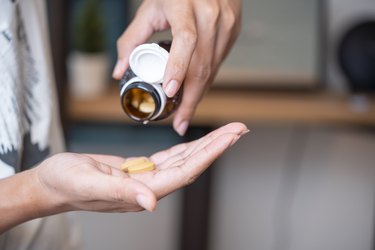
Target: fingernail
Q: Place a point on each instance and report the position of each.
(171, 88)
(117, 71)
(245, 132)
(143, 202)
(181, 129)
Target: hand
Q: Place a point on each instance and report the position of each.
(181, 165)
(95, 183)
(67, 181)
(203, 33)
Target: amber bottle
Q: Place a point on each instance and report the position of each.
(142, 96)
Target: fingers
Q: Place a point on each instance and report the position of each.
(230, 24)
(217, 26)
(203, 32)
(203, 158)
(118, 187)
(183, 27)
(184, 150)
(119, 190)
(214, 145)
(200, 68)
(193, 92)
(194, 88)
(233, 128)
(144, 197)
(189, 169)
(160, 157)
(138, 31)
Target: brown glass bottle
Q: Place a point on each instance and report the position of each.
(142, 96)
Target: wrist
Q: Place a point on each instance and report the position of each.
(26, 199)
(49, 200)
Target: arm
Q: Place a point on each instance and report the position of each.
(22, 199)
(69, 182)
(203, 33)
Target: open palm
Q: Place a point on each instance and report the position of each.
(95, 182)
(181, 165)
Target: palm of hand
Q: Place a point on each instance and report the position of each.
(95, 182)
(181, 165)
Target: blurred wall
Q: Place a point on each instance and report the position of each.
(296, 188)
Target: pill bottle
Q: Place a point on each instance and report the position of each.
(142, 96)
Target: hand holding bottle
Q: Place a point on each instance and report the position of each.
(203, 33)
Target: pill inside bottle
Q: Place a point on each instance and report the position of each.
(139, 103)
(141, 88)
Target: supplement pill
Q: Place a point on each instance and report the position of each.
(137, 165)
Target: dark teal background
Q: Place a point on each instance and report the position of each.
(116, 16)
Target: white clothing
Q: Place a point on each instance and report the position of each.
(29, 123)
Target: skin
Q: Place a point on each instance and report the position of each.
(203, 32)
(71, 182)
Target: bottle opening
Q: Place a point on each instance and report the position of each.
(139, 104)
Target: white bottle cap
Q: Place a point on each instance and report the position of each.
(148, 62)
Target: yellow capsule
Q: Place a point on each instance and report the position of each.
(135, 102)
(147, 107)
(135, 161)
(137, 165)
(141, 167)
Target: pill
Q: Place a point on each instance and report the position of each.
(148, 98)
(137, 165)
(135, 102)
(142, 167)
(133, 162)
(147, 107)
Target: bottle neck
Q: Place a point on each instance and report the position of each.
(143, 102)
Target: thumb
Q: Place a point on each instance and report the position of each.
(131, 191)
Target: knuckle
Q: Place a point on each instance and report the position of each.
(203, 73)
(211, 15)
(230, 21)
(189, 35)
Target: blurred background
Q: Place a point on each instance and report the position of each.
(301, 76)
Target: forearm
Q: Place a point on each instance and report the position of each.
(22, 198)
